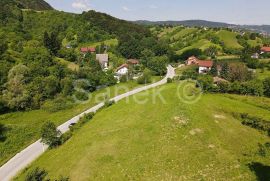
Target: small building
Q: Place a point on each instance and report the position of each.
(122, 70)
(192, 60)
(103, 59)
(205, 66)
(85, 50)
(255, 56)
(265, 50)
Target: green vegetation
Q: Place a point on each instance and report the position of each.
(229, 39)
(20, 129)
(173, 142)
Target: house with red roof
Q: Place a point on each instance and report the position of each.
(85, 50)
(265, 50)
(204, 65)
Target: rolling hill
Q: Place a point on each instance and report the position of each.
(210, 24)
(38, 5)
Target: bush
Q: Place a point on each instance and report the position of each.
(65, 137)
(145, 78)
(36, 174)
(109, 103)
(255, 122)
(266, 84)
(205, 82)
(124, 78)
(169, 80)
(82, 96)
(84, 119)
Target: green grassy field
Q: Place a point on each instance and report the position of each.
(24, 127)
(229, 39)
(71, 65)
(164, 139)
(201, 44)
(262, 74)
(254, 43)
(111, 42)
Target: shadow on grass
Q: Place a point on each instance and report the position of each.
(3, 131)
(261, 171)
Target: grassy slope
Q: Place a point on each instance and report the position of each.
(229, 39)
(157, 145)
(25, 126)
(201, 44)
(71, 65)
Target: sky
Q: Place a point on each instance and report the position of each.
(230, 11)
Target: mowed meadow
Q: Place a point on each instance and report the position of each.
(165, 139)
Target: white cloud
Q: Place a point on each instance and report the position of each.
(81, 5)
(126, 8)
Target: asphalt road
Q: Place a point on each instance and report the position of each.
(32, 152)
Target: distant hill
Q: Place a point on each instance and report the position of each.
(38, 5)
(211, 24)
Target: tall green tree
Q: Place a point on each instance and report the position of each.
(16, 95)
(50, 135)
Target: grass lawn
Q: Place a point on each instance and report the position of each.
(254, 43)
(201, 44)
(180, 34)
(24, 127)
(111, 42)
(71, 65)
(229, 39)
(228, 57)
(160, 140)
(262, 74)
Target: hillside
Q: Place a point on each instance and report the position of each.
(38, 5)
(179, 141)
(227, 41)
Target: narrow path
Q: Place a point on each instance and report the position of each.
(32, 152)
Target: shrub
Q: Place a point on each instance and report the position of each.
(65, 137)
(124, 78)
(266, 84)
(109, 103)
(82, 96)
(36, 174)
(84, 119)
(145, 78)
(169, 80)
(205, 82)
(255, 122)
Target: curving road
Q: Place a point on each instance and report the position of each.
(32, 152)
